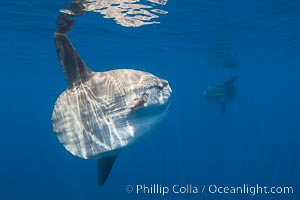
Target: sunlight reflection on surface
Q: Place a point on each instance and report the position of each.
(128, 13)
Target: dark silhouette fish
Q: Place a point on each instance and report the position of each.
(221, 94)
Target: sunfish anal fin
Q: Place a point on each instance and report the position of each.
(104, 166)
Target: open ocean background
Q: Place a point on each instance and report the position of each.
(257, 140)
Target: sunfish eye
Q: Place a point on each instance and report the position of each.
(160, 86)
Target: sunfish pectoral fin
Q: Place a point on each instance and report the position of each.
(104, 166)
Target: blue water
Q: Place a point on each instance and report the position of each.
(256, 141)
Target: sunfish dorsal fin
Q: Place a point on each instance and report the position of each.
(75, 70)
(229, 93)
(230, 82)
(104, 166)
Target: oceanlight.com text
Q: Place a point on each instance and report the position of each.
(251, 190)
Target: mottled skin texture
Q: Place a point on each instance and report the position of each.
(101, 115)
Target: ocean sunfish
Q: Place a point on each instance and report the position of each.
(221, 94)
(102, 113)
